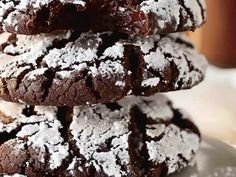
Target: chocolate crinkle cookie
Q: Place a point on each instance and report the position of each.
(138, 17)
(134, 137)
(71, 68)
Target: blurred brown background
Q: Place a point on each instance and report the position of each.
(217, 38)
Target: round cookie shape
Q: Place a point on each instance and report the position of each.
(146, 17)
(71, 68)
(136, 136)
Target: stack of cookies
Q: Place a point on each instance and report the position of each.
(77, 79)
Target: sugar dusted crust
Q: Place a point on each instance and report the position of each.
(146, 17)
(136, 136)
(70, 68)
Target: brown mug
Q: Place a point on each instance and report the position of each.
(217, 38)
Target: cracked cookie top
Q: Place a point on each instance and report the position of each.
(71, 68)
(136, 136)
(143, 17)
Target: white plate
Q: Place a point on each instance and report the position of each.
(215, 159)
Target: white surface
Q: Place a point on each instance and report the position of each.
(212, 104)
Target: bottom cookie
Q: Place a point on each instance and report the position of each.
(136, 136)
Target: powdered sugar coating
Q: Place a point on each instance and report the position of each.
(99, 137)
(15, 175)
(10, 9)
(37, 129)
(39, 137)
(160, 58)
(167, 63)
(171, 12)
(73, 55)
(93, 127)
(173, 143)
(89, 139)
(147, 17)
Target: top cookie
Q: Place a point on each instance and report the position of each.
(143, 17)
